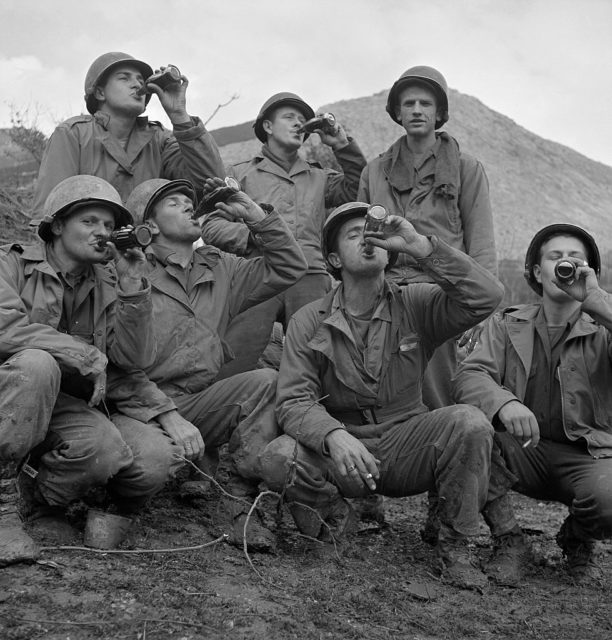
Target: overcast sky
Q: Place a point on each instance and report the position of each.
(547, 64)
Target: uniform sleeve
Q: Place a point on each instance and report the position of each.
(191, 153)
(466, 294)
(61, 159)
(476, 214)
(131, 342)
(281, 264)
(480, 377)
(298, 407)
(363, 192)
(18, 333)
(342, 186)
(134, 395)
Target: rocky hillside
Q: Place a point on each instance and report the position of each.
(533, 181)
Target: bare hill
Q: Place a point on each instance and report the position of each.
(533, 181)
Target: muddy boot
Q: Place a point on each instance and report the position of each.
(258, 536)
(510, 554)
(510, 551)
(336, 519)
(456, 565)
(369, 508)
(431, 528)
(198, 486)
(15, 544)
(580, 555)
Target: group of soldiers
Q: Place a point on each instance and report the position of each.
(119, 365)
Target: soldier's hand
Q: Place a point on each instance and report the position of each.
(131, 267)
(399, 235)
(242, 207)
(173, 99)
(184, 434)
(584, 282)
(336, 139)
(352, 459)
(520, 422)
(99, 388)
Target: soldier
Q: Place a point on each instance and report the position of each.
(542, 374)
(300, 191)
(65, 312)
(425, 177)
(116, 143)
(349, 389)
(196, 293)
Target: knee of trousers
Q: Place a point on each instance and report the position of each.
(599, 521)
(154, 464)
(103, 451)
(471, 422)
(264, 379)
(39, 371)
(276, 460)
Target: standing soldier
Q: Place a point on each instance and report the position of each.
(116, 143)
(425, 178)
(300, 191)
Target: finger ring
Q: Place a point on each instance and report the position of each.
(351, 468)
(368, 476)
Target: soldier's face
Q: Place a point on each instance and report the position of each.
(76, 237)
(119, 92)
(417, 110)
(351, 254)
(551, 252)
(282, 127)
(173, 220)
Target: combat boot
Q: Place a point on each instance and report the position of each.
(15, 544)
(580, 555)
(455, 562)
(510, 550)
(335, 520)
(510, 553)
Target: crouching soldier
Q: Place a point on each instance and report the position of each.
(349, 392)
(196, 293)
(542, 373)
(65, 312)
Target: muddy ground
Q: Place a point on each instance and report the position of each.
(381, 585)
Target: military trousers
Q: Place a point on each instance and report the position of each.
(448, 449)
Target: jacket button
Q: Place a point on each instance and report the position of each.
(435, 262)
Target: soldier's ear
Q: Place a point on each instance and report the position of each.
(537, 273)
(334, 259)
(98, 93)
(153, 226)
(57, 227)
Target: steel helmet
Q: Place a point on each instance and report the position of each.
(101, 66)
(279, 100)
(76, 192)
(421, 75)
(332, 225)
(141, 201)
(543, 235)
